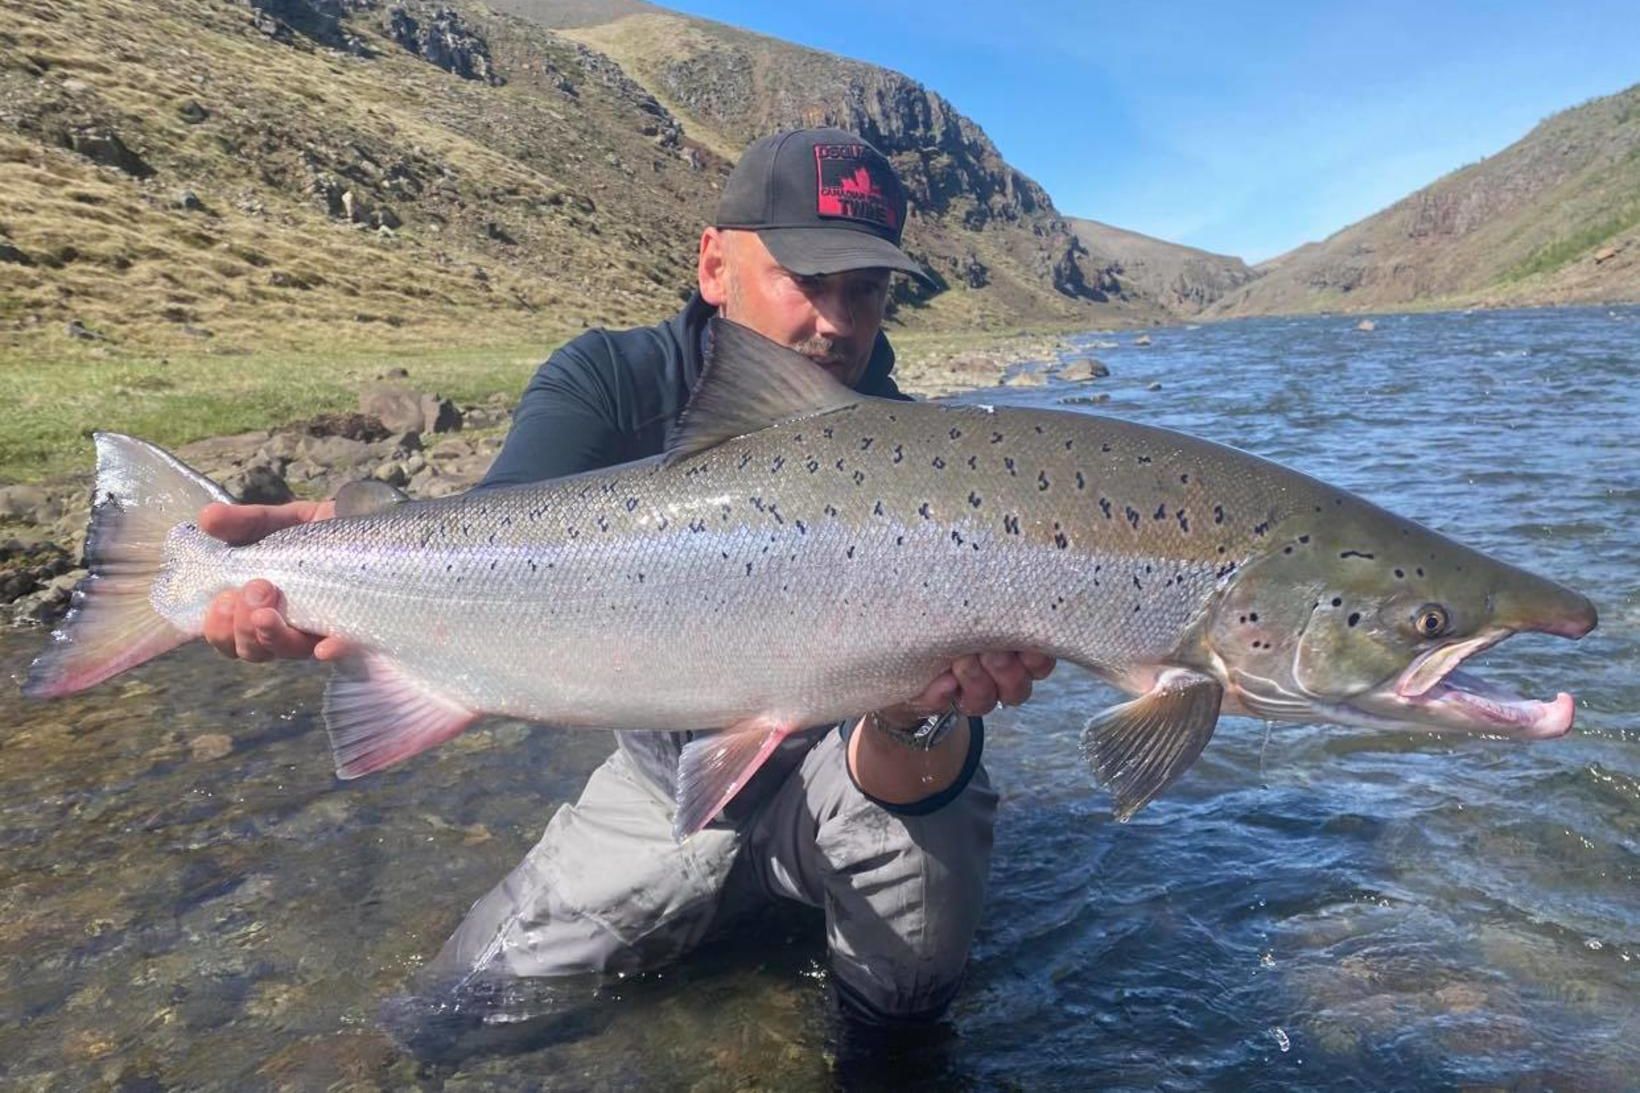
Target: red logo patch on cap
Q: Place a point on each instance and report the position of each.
(852, 186)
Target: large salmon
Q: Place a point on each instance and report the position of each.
(802, 553)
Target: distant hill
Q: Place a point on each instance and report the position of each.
(1182, 279)
(1553, 218)
(316, 172)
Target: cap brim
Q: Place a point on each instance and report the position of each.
(816, 251)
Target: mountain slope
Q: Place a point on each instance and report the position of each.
(311, 172)
(1553, 218)
(1182, 279)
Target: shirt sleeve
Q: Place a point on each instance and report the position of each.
(563, 424)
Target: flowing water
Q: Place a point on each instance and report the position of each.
(189, 899)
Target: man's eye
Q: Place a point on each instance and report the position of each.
(808, 283)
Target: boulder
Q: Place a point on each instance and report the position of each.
(393, 404)
(105, 147)
(30, 504)
(1142, 339)
(1087, 368)
(439, 415)
(1366, 326)
(259, 484)
(192, 113)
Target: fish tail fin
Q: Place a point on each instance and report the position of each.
(144, 594)
(712, 769)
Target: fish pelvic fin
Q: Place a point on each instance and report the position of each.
(1141, 747)
(748, 384)
(377, 714)
(132, 606)
(712, 769)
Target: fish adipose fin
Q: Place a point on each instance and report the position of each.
(377, 714)
(713, 769)
(1141, 747)
(114, 622)
(748, 384)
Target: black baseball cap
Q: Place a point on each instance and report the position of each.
(822, 201)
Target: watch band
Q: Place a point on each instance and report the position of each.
(922, 736)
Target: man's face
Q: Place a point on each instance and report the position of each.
(832, 319)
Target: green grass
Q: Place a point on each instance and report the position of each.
(58, 401)
(1547, 259)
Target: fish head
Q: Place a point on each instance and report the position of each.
(1367, 623)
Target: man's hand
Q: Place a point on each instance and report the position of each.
(247, 622)
(889, 771)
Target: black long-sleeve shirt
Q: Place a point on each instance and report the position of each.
(610, 397)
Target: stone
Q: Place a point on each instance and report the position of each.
(10, 253)
(407, 441)
(30, 504)
(1025, 379)
(189, 201)
(211, 745)
(1142, 339)
(1604, 254)
(333, 453)
(1153, 387)
(76, 329)
(439, 415)
(1087, 368)
(1366, 326)
(392, 473)
(105, 147)
(260, 484)
(393, 404)
(192, 113)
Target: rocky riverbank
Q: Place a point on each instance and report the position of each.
(422, 443)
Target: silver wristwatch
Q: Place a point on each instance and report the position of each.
(922, 736)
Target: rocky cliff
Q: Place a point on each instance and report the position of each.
(308, 172)
(1553, 218)
(1182, 279)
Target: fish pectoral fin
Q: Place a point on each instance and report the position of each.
(377, 714)
(1141, 747)
(367, 496)
(713, 769)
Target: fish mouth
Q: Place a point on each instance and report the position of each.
(1433, 693)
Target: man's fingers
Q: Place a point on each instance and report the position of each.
(979, 690)
(219, 623)
(937, 696)
(1013, 683)
(331, 649)
(1038, 665)
(278, 638)
(240, 524)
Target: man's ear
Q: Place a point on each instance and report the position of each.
(711, 269)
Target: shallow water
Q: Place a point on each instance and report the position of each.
(189, 899)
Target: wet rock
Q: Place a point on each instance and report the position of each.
(1366, 326)
(1153, 387)
(1087, 368)
(102, 146)
(209, 746)
(1085, 400)
(1142, 339)
(47, 604)
(26, 568)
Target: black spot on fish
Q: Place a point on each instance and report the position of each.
(1007, 461)
(859, 477)
(955, 433)
(830, 510)
(631, 503)
(956, 537)
(1184, 522)
(1144, 459)
(1136, 583)
(849, 553)
(899, 540)
(1104, 506)
(1041, 480)
(1060, 541)
(748, 569)
(757, 503)
(1355, 617)
(866, 442)
(1133, 516)
(937, 463)
(922, 510)
(1260, 529)
(1104, 448)
(1081, 482)
(1160, 513)
(877, 509)
(838, 464)
(996, 438)
(1287, 549)
(1419, 571)
(1252, 616)
(826, 432)
(1010, 524)
(745, 458)
(1038, 430)
(973, 462)
(1356, 554)
(1337, 602)
(973, 499)
(603, 524)
(812, 465)
(1218, 514)
(1399, 574)
(1184, 479)
(1069, 443)
(893, 417)
(1225, 570)
(1303, 538)
(899, 452)
(697, 525)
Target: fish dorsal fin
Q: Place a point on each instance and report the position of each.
(366, 497)
(750, 383)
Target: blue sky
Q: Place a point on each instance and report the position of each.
(1245, 128)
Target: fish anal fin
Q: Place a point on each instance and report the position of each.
(377, 714)
(712, 769)
(1141, 747)
(748, 384)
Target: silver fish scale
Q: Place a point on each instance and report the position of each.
(807, 572)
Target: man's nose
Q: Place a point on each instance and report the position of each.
(834, 311)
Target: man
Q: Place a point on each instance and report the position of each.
(884, 822)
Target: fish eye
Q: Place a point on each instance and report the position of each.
(1431, 620)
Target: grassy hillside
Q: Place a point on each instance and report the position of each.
(1182, 279)
(1553, 218)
